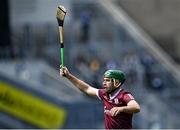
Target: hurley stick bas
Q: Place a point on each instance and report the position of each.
(60, 15)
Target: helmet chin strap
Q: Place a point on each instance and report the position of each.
(113, 80)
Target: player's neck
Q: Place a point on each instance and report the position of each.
(115, 92)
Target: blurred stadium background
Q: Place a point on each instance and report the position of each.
(139, 37)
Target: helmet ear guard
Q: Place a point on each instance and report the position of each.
(114, 80)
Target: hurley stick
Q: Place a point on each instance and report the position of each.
(61, 12)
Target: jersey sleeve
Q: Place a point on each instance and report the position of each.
(100, 93)
(128, 97)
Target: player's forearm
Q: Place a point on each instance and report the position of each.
(125, 109)
(130, 109)
(81, 85)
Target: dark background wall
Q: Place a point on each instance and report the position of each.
(5, 42)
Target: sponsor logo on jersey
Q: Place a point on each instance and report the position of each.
(116, 101)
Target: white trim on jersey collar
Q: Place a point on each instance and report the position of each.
(112, 97)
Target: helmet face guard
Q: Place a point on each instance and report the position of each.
(115, 74)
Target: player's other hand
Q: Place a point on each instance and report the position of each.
(64, 72)
(116, 110)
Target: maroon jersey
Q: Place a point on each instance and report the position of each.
(120, 98)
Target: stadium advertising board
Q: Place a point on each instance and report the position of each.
(30, 108)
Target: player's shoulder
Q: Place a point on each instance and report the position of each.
(123, 93)
(102, 91)
(127, 96)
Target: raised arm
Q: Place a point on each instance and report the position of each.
(81, 85)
